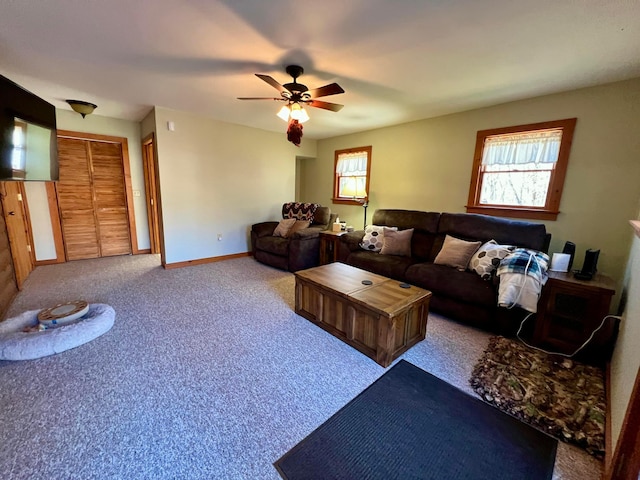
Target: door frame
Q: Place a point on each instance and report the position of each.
(126, 168)
(18, 254)
(625, 463)
(152, 190)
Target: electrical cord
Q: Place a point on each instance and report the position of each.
(558, 353)
(515, 302)
(524, 281)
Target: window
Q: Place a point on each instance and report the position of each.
(519, 171)
(351, 181)
(19, 152)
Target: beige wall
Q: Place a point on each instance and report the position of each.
(220, 178)
(36, 195)
(426, 165)
(626, 357)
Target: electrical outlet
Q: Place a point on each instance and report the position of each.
(219, 237)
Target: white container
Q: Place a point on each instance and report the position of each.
(560, 262)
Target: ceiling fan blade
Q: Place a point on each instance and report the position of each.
(272, 82)
(262, 98)
(331, 89)
(334, 107)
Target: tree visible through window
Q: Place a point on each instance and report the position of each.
(519, 171)
(351, 182)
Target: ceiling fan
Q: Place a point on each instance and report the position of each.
(296, 95)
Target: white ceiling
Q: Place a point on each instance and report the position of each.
(397, 60)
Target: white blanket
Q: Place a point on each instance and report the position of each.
(519, 290)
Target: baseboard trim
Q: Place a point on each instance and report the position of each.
(202, 261)
(608, 453)
(51, 261)
(143, 251)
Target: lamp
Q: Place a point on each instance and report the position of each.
(354, 187)
(83, 108)
(284, 113)
(299, 113)
(293, 111)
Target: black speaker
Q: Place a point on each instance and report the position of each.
(589, 267)
(570, 248)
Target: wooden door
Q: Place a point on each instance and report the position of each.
(93, 199)
(151, 189)
(15, 217)
(8, 284)
(75, 200)
(110, 200)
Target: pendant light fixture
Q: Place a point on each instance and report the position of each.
(82, 107)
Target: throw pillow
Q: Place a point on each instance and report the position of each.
(374, 238)
(283, 227)
(397, 242)
(299, 225)
(456, 252)
(488, 257)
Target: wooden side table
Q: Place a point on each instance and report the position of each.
(329, 246)
(570, 310)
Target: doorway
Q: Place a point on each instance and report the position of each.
(151, 183)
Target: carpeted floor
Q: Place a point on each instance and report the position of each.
(207, 373)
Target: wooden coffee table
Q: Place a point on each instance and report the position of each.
(381, 320)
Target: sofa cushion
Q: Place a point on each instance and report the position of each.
(390, 266)
(322, 217)
(470, 226)
(275, 245)
(299, 225)
(456, 252)
(425, 225)
(464, 286)
(397, 242)
(283, 227)
(373, 239)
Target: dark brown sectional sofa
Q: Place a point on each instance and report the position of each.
(461, 295)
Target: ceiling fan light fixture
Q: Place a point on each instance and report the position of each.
(299, 113)
(82, 107)
(284, 113)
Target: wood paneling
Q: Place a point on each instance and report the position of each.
(93, 198)
(8, 286)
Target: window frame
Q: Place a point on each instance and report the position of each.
(336, 178)
(551, 209)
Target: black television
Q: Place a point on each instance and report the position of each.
(28, 136)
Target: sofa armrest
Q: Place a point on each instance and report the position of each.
(264, 229)
(307, 233)
(352, 240)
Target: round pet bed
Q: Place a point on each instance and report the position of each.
(15, 344)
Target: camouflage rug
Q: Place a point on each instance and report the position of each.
(559, 396)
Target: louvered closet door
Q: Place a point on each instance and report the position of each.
(110, 198)
(92, 200)
(75, 200)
